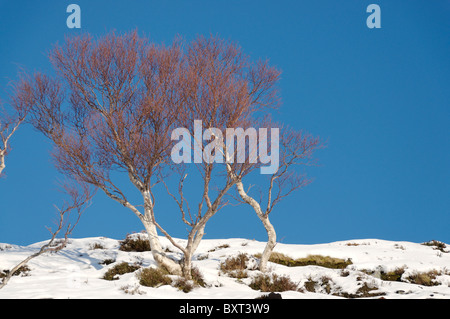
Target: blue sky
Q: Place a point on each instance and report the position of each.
(380, 97)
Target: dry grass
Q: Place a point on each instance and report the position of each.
(424, 278)
(395, 275)
(219, 247)
(311, 260)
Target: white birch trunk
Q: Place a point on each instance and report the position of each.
(149, 223)
(2, 162)
(158, 253)
(272, 241)
(272, 235)
(194, 240)
(150, 226)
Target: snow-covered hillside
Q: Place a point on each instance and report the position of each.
(419, 271)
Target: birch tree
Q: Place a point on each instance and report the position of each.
(109, 111)
(222, 88)
(295, 148)
(114, 102)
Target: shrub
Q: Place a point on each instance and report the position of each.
(324, 284)
(272, 295)
(219, 247)
(154, 277)
(310, 285)
(183, 284)
(345, 273)
(438, 245)
(272, 283)
(107, 261)
(197, 277)
(202, 257)
(96, 246)
(235, 267)
(24, 270)
(187, 285)
(352, 244)
(120, 269)
(395, 275)
(311, 260)
(134, 243)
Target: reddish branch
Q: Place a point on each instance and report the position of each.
(224, 89)
(114, 102)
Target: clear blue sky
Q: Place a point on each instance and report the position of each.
(380, 96)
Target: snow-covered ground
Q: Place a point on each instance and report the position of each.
(77, 271)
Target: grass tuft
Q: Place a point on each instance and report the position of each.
(311, 260)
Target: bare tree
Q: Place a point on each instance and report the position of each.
(79, 198)
(109, 111)
(295, 148)
(222, 88)
(114, 102)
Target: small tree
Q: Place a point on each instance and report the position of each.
(79, 198)
(295, 148)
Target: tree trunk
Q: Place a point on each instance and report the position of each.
(158, 254)
(194, 240)
(272, 241)
(272, 236)
(187, 265)
(2, 162)
(148, 219)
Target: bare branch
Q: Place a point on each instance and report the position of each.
(79, 201)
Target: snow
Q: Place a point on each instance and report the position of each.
(76, 271)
